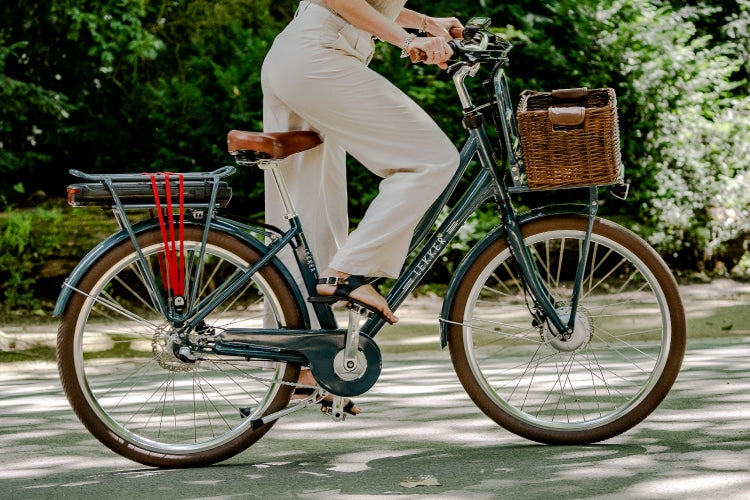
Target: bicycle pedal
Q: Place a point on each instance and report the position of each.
(367, 312)
(334, 409)
(328, 410)
(361, 310)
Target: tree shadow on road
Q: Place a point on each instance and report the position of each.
(417, 424)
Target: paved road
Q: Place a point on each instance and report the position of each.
(694, 446)
(418, 424)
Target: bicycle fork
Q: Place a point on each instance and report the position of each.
(542, 297)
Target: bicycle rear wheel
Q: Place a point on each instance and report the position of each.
(124, 378)
(621, 360)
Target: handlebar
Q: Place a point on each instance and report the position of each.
(472, 47)
(418, 55)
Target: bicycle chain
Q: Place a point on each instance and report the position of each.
(160, 350)
(172, 365)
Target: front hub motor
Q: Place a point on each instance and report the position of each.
(579, 338)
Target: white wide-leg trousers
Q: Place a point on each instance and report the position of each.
(315, 77)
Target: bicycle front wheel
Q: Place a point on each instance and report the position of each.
(122, 371)
(621, 360)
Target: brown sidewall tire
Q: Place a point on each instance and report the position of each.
(67, 363)
(663, 276)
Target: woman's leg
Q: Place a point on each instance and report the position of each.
(317, 78)
(337, 95)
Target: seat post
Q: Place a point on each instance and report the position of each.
(278, 177)
(266, 149)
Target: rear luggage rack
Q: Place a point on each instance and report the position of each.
(136, 191)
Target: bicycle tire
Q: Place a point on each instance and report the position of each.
(128, 387)
(620, 363)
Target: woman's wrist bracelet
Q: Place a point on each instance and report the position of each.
(407, 41)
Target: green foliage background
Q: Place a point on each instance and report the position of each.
(109, 85)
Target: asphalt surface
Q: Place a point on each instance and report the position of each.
(419, 436)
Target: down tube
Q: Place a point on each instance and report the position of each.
(480, 191)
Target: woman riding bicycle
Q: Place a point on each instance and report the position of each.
(562, 327)
(315, 77)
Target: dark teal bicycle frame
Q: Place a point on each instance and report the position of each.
(489, 185)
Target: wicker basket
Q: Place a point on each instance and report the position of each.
(570, 138)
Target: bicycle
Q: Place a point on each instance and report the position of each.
(182, 336)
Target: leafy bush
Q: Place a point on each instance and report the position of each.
(681, 77)
(130, 86)
(692, 119)
(25, 243)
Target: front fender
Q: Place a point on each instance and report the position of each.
(71, 282)
(481, 246)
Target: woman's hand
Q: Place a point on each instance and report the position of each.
(436, 50)
(447, 28)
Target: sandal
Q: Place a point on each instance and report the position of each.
(343, 290)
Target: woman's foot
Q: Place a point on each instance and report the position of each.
(363, 294)
(306, 378)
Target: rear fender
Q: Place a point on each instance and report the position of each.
(71, 282)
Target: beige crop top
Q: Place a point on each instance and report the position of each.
(389, 8)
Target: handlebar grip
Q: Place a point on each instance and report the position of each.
(418, 55)
(457, 33)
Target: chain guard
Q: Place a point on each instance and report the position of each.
(323, 369)
(318, 348)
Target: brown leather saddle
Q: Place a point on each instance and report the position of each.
(253, 146)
